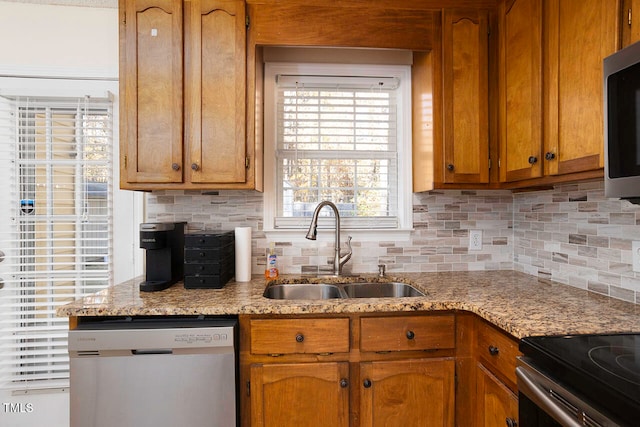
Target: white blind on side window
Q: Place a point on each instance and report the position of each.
(56, 155)
(336, 139)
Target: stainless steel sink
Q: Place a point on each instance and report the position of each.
(302, 291)
(380, 290)
(323, 291)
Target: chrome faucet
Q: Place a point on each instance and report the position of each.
(338, 261)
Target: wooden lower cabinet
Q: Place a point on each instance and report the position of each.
(300, 394)
(405, 393)
(497, 405)
(372, 369)
(496, 402)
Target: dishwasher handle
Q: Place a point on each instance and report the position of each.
(147, 351)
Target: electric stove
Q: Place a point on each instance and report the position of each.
(594, 378)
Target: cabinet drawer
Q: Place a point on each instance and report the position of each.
(497, 351)
(288, 336)
(407, 333)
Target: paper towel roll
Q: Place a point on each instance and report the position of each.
(243, 254)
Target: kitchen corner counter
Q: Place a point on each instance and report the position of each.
(520, 304)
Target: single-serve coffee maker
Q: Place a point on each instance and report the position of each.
(164, 244)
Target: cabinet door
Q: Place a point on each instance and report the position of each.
(404, 393)
(580, 33)
(300, 394)
(630, 22)
(496, 403)
(465, 38)
(520, 83)
(215, 91)
(151, 86)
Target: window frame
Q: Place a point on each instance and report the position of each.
(405, 207)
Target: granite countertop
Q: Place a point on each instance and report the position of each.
(518, 303)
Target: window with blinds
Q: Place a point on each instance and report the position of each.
(338, 138)
(56, 156)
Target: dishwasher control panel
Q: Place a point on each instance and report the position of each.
(150, 334)
(204, 337)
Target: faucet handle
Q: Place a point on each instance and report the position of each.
(382, 270)
(346, 257)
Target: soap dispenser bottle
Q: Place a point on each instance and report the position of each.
(271, 272)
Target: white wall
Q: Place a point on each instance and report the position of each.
(62, 41)
(58, 40)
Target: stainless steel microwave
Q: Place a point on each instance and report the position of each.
(622, 124)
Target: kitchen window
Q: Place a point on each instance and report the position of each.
(339, 133)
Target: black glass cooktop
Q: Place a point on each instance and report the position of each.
(602, 369)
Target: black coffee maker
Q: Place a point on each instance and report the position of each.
(164, 244)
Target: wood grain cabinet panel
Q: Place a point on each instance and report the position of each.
(520, 89)
(579, 35)
(497, 351)
(215, 90)
(290, 336)
(300, 394)
(550, 88)
(407, 333)
(151, 91)
(496, 403)
(629, 22)
(465, 56)
(184, 95)
(405, 393)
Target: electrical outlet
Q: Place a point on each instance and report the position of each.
(475, 240)
(635, 255)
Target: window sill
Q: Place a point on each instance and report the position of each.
(326, 234)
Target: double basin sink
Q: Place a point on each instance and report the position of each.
(325, 291)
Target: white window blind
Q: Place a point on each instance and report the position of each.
(337, 140)
(56, 156)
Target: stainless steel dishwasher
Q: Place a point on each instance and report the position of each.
(149, 371)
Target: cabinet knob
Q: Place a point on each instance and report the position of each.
(175, 167)
(532, 160)
(194, 166)
(511, 422)
(493, 350)
(450, 167)
(550, 155)
(410, 335)
(344, 383)
(299, 338)
(366, 383)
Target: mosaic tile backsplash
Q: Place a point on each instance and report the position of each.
(571, 234)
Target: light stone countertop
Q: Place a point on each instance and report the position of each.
(518, 303)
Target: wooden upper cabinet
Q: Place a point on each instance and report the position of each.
(465, 55)
(151, 91)
(215, 90)
(629, 22)
(520, 89)
(183, 93)
(579, 35)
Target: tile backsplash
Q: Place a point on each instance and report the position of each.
(574, 235)
(571, 234)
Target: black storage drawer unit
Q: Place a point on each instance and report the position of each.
(209, 260)
(211, 240)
